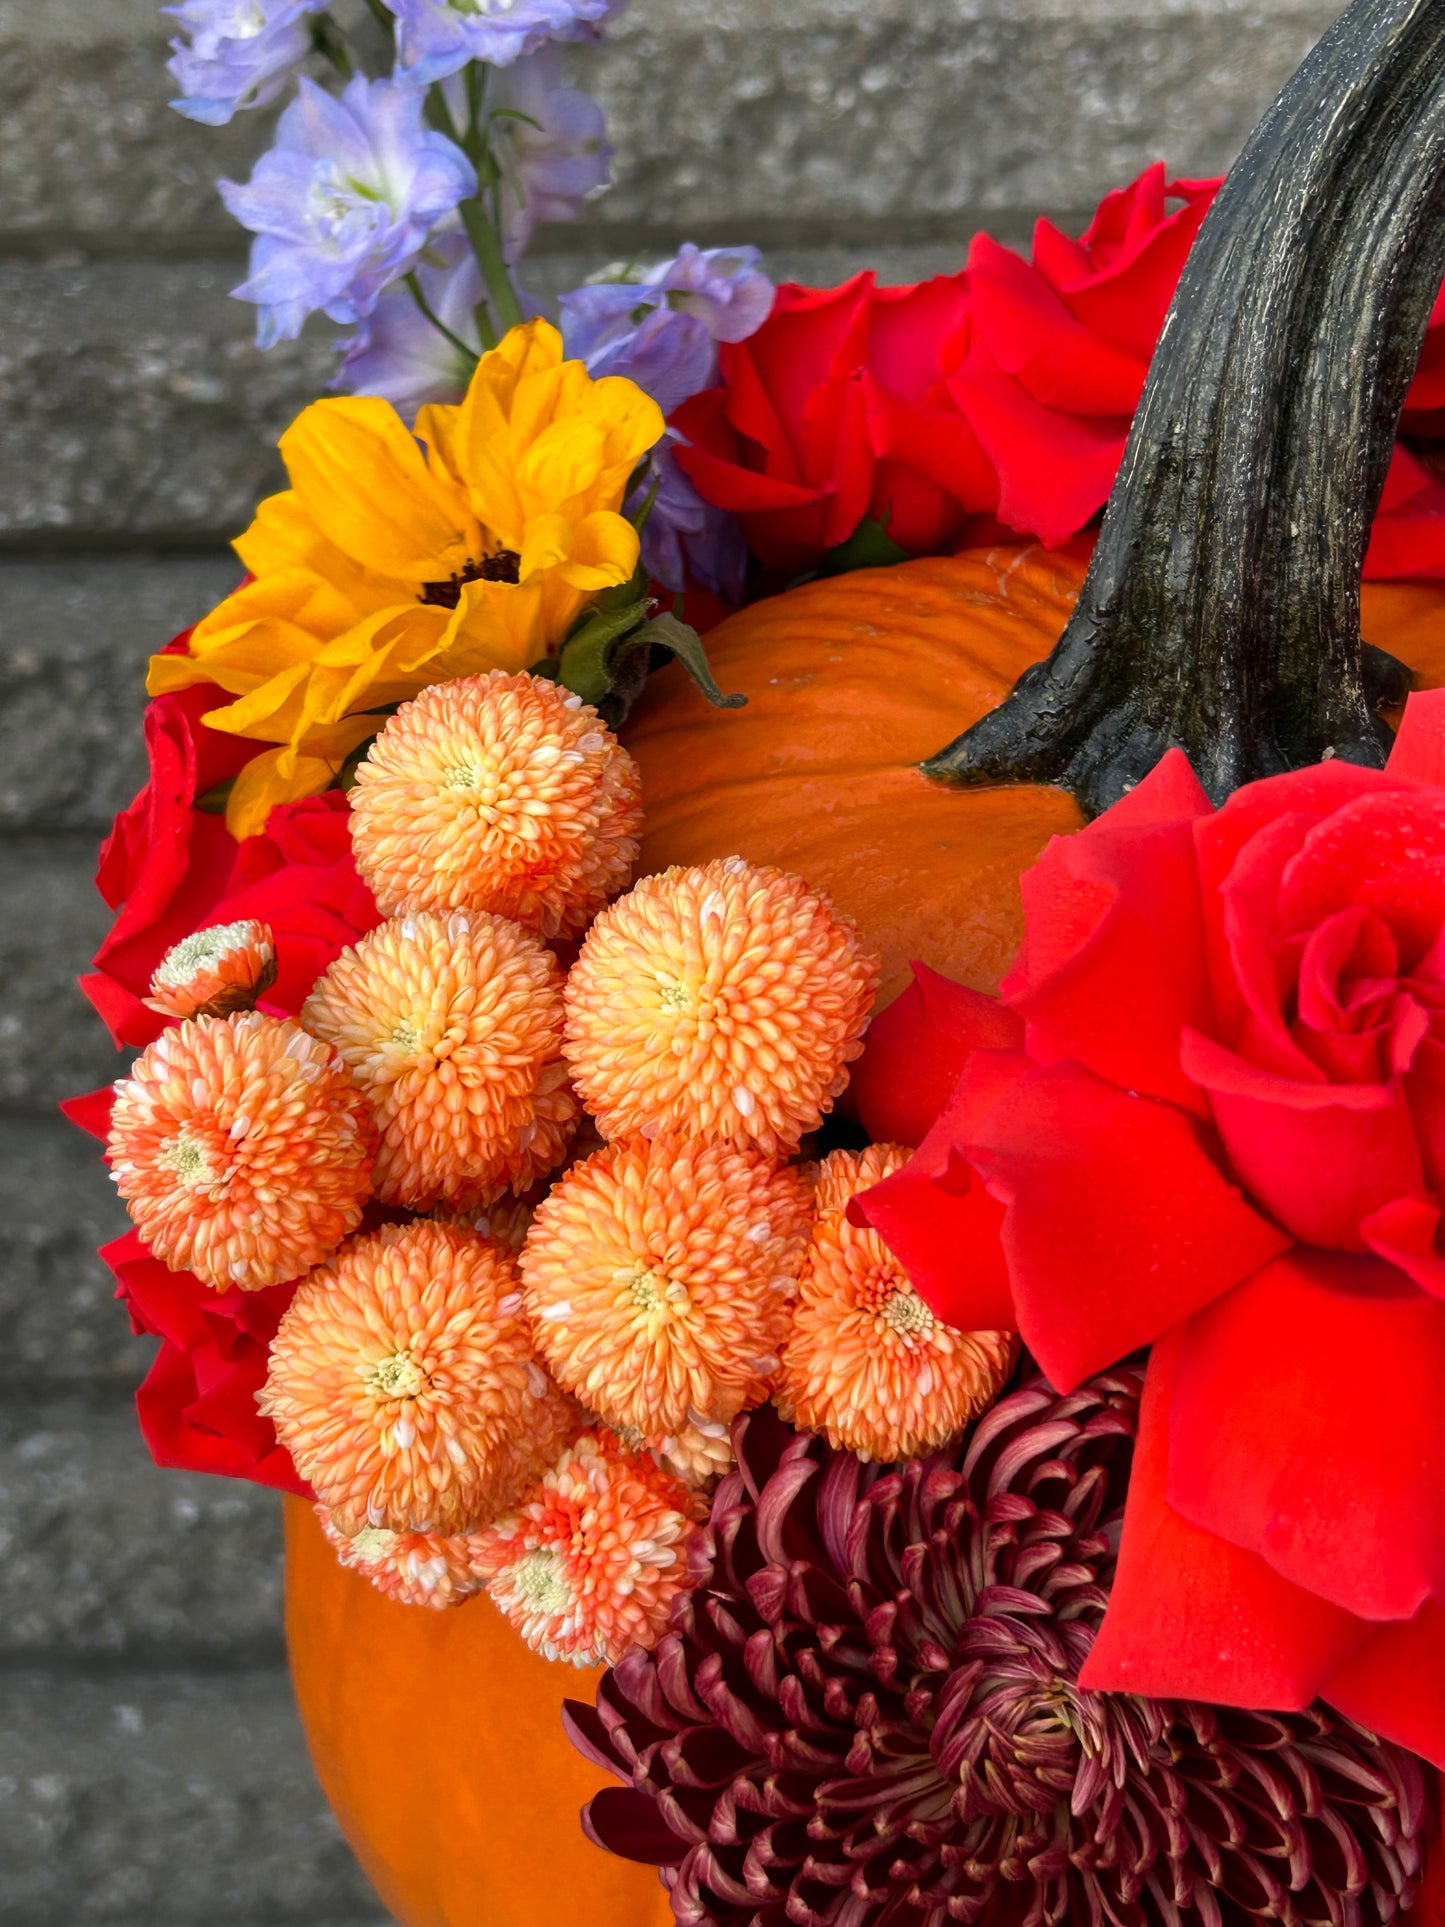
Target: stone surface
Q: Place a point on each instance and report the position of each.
(745, 115)
(74, 638)
(102, 1552)
(133, 401)
(60, 1326)
(52, 919)
(169, 1798)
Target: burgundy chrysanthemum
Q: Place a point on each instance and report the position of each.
(867, 1713)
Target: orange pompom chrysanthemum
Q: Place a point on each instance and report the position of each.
(418, 1568)
(214, 972)
(243, 1149)
(452, 1026)
(591, 1561)
(657, 1278)
(499, 792)
(721, 1002)
(404, 1384)
(867, 1363)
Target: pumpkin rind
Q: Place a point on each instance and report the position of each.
(848, 680)
(437, 1737)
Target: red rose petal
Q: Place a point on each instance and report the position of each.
(916, 1050)
(1112, 966)
(1319, 1157)
(1118, 1223)
(1405, 1235)
(1394, 1684)
(1307, 1426)
(1054, 470)
(1384, 852)
(1418, 752)
(1032, 336)
(1192, 1617)
(935, 1215)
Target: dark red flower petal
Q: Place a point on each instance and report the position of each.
(1194, 1617)
(1118, 1223)
(1307, 1425)
(916, 1050)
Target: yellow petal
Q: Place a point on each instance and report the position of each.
(604, 552)
(366, 483)
(264, 783)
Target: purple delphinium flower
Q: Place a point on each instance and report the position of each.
(343, 203)
(239, 54)
(400, 355)
(685, 536)
(435, 38)
(552, 160)
(662, 328)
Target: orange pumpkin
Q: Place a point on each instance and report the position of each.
(437, 1737)
(851, 682)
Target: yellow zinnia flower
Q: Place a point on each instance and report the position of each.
(397, 560)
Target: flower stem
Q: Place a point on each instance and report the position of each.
(487, 246)
(436, 321)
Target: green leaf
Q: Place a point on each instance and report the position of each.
(686, 644)
(870, 546)
(215, 800)
(588, 656)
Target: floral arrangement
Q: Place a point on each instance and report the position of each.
(991, 1440)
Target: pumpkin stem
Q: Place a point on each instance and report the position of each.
(1221, 611)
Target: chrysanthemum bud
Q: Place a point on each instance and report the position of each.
(499, 792)
(592, 1559)
(243, 1149)
(452, 1026)
(867, 1363)
(404, 1384)
(721, 1003)
(216, 971)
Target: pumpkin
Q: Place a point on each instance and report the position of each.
(1206, 618)
(438, 1740)
(852, 682)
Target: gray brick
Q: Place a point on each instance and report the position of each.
(51, 922)
(774, 111)
(74, 638)
(60, 1327)
(101, 1552)
(133, 401)
(165, 1798)
(790, 115)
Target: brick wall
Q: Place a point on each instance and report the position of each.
(150, 1766)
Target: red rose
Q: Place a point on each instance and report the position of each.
(835, 409)
(1007, 390)
(1219, 1128)
(300, 877)
(1060, 348)
(197, 1405)
(164, 862)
